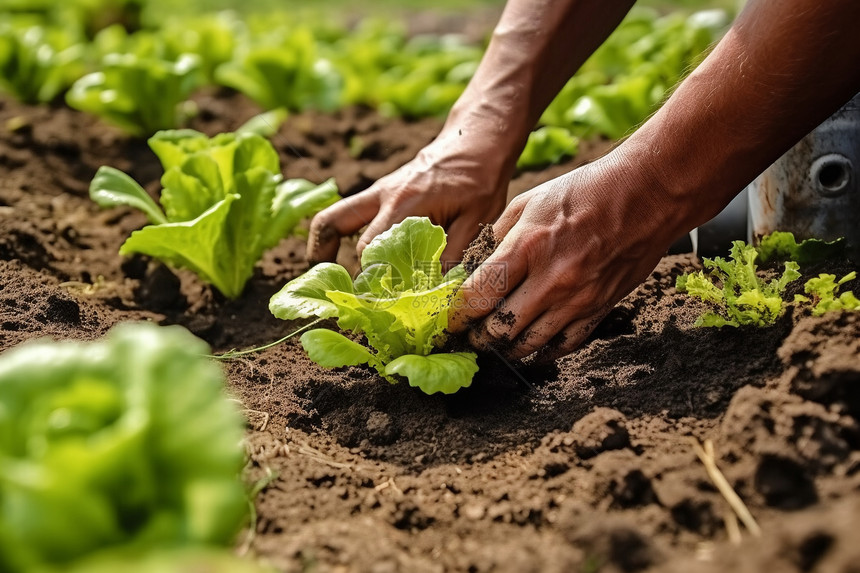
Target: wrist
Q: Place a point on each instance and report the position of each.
(492, 121)
(641, 202)
(483, 150)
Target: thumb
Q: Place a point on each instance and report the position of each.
(343, 218)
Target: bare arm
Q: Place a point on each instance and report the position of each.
(781, 70)
(536, 47)
(575, 246)
(461, 178)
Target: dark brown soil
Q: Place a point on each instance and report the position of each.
(586, 465)
(480, 249)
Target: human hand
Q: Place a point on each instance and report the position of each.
(457, 181)
(569, 250)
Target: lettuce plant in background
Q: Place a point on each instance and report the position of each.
(283, 69)
(401, 76)
(38, 63)
(183, 560)
(224, 203)
(139, 94)
(399, 303)
(781, 245)
(213, 38)
(628, 77)
(127, 444)
(547, 144)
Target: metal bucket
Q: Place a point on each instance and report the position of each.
(813, 189)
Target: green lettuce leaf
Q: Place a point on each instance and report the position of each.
(546, 146)
(169, 560)
(193, 245)
(138, 94)
(127, 442)
(112, 188)
(305, 296)
(38, 63)
(781, 245)
(283, 70)
(825, 288)
(224, 204)
(399, 302)
(445, 373)
(266, 123)
(333, 350)
(412, 250)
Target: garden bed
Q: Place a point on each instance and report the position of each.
(586, 465)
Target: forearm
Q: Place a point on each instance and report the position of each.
(536, 47)
(781, 70)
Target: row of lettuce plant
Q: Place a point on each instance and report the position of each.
(281, 62)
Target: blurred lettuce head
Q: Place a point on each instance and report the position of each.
(127, 442)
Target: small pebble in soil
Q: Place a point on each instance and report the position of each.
(473, 511)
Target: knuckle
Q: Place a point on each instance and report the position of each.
(536, 244)
(519, 202)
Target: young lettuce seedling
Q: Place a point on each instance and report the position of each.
(742, 298)
(745, 299)
(824, 289)
(399, 302)
(224, 204)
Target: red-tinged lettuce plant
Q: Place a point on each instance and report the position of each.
(224, 203)
(399, 303)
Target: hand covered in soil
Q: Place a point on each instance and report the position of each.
(568, 251)
(457, 181)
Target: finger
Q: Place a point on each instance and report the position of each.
(530, 301)
(571, 337)
(541, 332)
(486, 288)
(510, 216)
(343, 218)
(460, 234)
